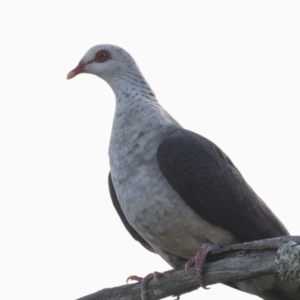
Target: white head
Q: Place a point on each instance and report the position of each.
(105, 61)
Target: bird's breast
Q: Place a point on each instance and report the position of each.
(151, 206)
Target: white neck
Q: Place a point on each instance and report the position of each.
(135, 101)
(137, 112)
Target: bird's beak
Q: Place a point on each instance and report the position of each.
(79, 69)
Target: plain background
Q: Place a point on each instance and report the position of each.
(228, 70)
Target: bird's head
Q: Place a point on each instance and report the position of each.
(104, 61)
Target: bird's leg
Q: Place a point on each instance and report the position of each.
(144, 281)
(199, 260)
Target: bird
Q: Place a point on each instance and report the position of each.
(176, 192)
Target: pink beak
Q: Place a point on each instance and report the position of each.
(79, 69)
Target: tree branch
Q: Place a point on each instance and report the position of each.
(232, 263)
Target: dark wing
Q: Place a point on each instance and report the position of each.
(213, 187)
(118, 208)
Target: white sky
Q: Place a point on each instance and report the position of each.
(228, 70)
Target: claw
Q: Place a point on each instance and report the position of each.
(188, 265)
(134, 277)
(199, 260)
(144, 281)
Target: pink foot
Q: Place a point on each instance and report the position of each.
(199, 260)
(144, 281)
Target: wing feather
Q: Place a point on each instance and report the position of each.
(211, 185)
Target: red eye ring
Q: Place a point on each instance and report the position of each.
(102, 56)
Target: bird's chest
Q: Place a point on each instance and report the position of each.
(151, 206)
(149, 203)
(138, 180)
(146, 198)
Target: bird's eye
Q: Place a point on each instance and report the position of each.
(102, 56)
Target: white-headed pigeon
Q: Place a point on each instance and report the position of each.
(176, 192)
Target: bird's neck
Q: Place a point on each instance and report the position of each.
(136, 103)
(137, 112)
(130, 84)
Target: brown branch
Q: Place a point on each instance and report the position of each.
(228, 264)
